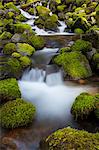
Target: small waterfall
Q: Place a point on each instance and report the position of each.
(37, 75)
(52, 98)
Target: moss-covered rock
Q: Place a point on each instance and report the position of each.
(20, 18)
(81, 45)
(20, 28)
(96, 57)
(75, 64)
(25, 49)
(14, 68)
(5, 35)
(25, 61)
(65, 49)
(16, 113)
(69, 139)
(92, 36)
(97, 106)
(16, 55)
(10, 15)
(36, 41)
(83, 106)
(9, 89)
(42, 10)
(10, 5)
(9, 48)
(78, 31)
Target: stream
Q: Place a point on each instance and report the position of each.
(44, 86)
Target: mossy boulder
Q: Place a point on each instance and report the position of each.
(5, 35)
(81, 45)
(10, 5)
(42, 10)
(25, 61)
(20, 28)
(78, 31)
(9, 89)
(97, 106)
(10, 15)
(83, 106)
(9, 48)
(80, 22)
(16, 55)
(64, 50)
(25, 49)
(69, 139)
(95, 60)
(92, 36)
(74, 64)
(20, 18)
(96, 57)
(36, 41)
(14, 68)
(16, 113)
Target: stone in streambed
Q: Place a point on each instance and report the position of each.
(68, 138)
(74, 64)
(83, 106)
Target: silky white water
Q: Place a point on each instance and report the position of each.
(53, 99)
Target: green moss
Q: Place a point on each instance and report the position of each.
(5, 35)
(9, 48)
(97, 106)
(10, 5)
(78, 31)
(81, 45)
(75, 64)
(1, 6)
(20, 18)
(71, 139)
(16, 55)
(83, 106)
(9, 90)
(14, 67)
(20, 28)
(42, 10)
(31, 11)
(61, 8)
(50, 25)
(54, 18)
(65, 49)
(80, 22)
(96, 58)
(25, 49)
(36, 41)
(10, 15)
(25, 61)
(16, 113)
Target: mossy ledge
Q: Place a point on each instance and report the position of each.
(71, 139)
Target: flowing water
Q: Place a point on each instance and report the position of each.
(31, 19)
(53, 99)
